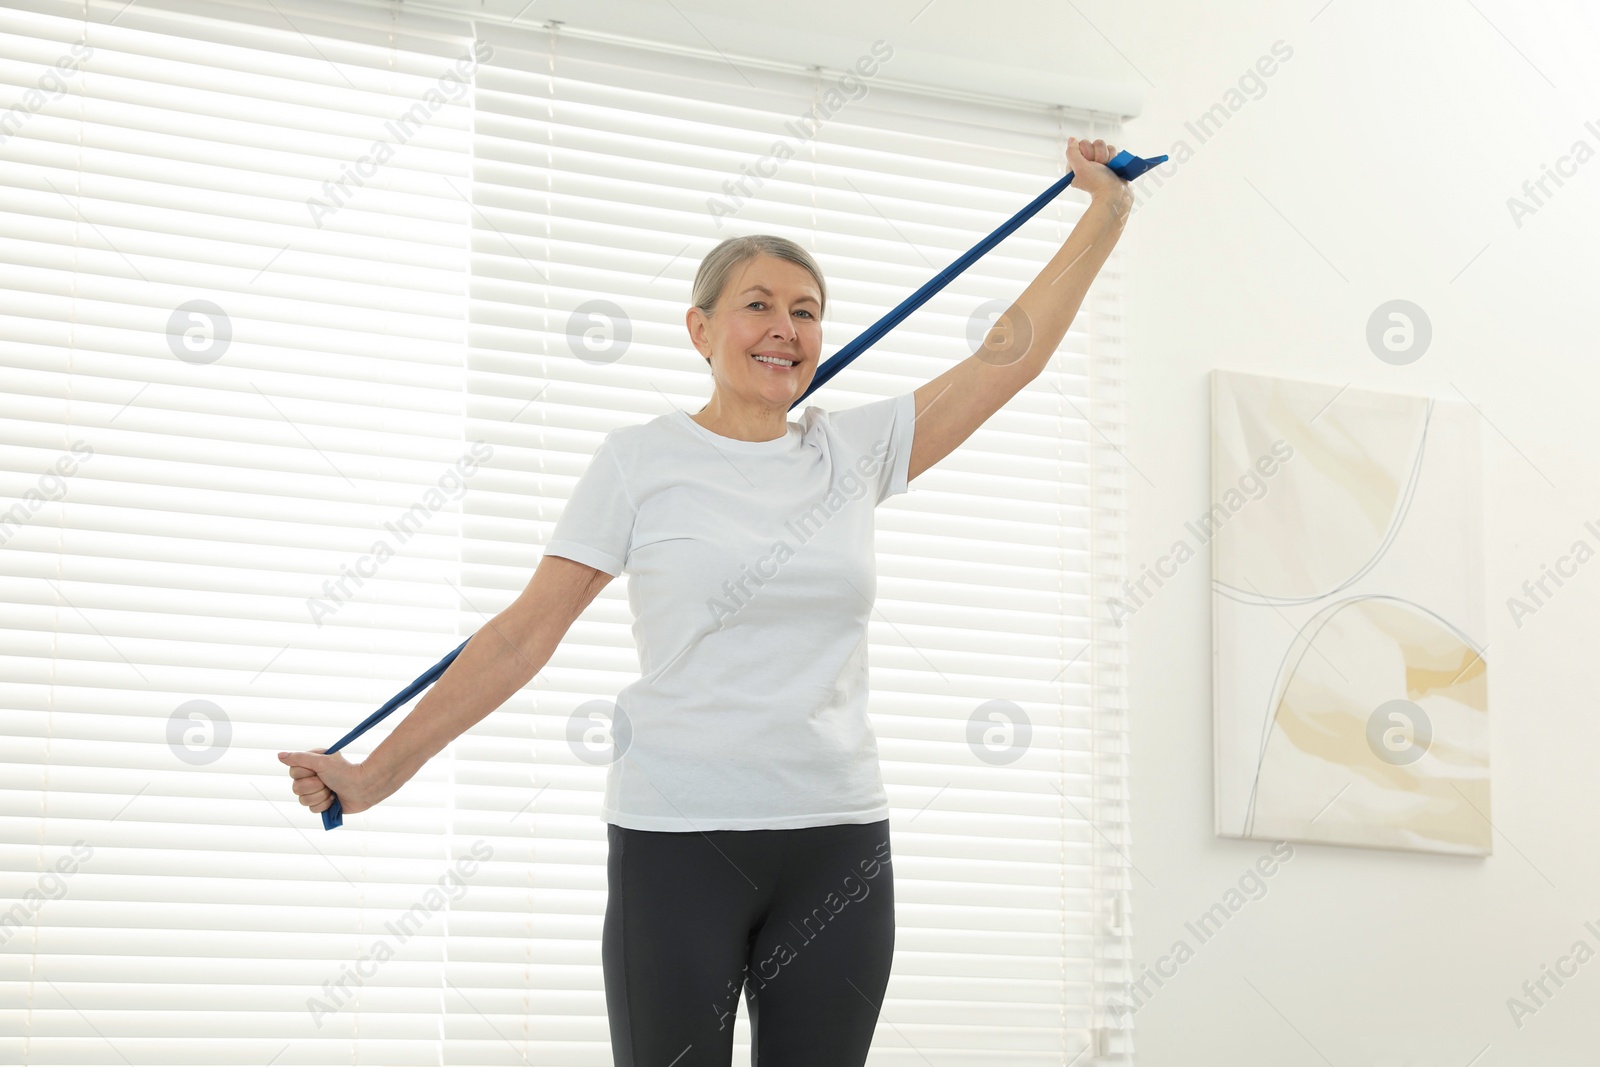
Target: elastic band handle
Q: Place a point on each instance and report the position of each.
(1124, 165)
(333, 815)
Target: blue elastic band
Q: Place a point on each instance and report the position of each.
(333, 815)
(1124, 165)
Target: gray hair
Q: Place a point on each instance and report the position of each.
(720, 263)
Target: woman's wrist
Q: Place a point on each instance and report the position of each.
(379, 777)
(1116, 198)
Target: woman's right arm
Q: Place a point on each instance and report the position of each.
(501, 658)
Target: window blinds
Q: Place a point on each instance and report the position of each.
(306, 347)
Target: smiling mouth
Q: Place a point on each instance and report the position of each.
(775, 366)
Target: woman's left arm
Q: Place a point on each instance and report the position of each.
(950, 407)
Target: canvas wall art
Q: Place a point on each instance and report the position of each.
(1349, 619)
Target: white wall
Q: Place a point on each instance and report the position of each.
(1391, 140)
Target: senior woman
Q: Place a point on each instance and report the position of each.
(748, 828)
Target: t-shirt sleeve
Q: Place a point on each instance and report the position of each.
(596, 525)
(878, 435)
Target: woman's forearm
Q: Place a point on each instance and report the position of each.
(1051, 301)
(497, 661)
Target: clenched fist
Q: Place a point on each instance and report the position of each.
(318, 777)
(1087, 160)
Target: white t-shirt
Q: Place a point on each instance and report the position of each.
(751, 574)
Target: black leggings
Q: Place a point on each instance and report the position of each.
(802, 920)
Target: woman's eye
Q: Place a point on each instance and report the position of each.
(802, 311)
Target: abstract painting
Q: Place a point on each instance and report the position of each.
(1348, 616)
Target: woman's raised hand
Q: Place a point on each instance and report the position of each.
(318, 777)
(1087, 160)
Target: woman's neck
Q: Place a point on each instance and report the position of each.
(745, 424)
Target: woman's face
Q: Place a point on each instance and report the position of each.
(770, 307)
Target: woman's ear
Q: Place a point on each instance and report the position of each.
(694, 320)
